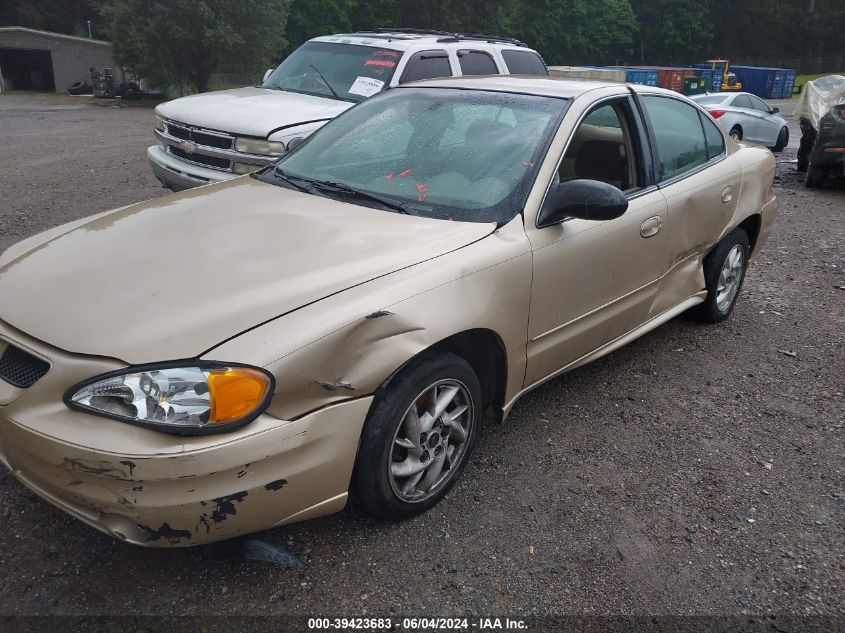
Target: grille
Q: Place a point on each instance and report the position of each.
(21, 369)
(188, 134)
(202, 159)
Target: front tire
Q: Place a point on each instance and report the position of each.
(724, 272)
(418, 437)
(783, 139)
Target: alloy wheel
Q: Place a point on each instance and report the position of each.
(431, 441)
(730, 278)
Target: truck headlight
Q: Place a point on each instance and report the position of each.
(160, 125)
(185, 399)
(257, 146)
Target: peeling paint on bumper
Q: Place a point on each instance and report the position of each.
(196, 497)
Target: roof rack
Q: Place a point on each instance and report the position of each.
(446, 36)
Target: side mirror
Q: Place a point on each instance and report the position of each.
(267, 74)
(775, 110)
(583, 199)
(295, 142)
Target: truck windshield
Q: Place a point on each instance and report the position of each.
(442, 153)
(338, 71)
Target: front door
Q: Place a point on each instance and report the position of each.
(595, 281)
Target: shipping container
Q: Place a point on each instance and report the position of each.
(789, 84)
(716, 76)
(588, 72)
(639, 76)
(669, 77)
(767, 83)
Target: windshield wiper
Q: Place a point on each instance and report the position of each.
(326, 81)
(309, 185)
(345, 189)
(294, 181)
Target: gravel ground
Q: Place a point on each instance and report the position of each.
(698, 470)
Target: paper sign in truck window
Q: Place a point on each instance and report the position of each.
(366, 86)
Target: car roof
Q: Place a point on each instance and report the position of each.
(412, 39)
(568, 88)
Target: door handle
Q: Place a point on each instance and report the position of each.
(727, 195)
(651, 227)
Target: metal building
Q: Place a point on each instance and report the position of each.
(49, 62)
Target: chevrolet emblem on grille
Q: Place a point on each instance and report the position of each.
(188, 147)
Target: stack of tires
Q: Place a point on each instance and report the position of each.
(103, 81)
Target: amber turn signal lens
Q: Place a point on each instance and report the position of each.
(235, 393)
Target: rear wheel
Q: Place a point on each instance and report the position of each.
(724, 272)
(815, 178)
(418, 437)
(736, 133)
(783, 139)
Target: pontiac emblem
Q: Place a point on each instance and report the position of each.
(188, 147)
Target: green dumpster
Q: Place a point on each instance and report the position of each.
(695, 85)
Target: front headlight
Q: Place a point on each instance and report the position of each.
(160, 123)
(257, 146)
(196, 399)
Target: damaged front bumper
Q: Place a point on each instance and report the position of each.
(160, 490)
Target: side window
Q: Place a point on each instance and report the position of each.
(741, 102)
(427, 65)
(524, 63)
(679, 136)
(713, 136)
(758, 104)
(477, 63)
(602, 149)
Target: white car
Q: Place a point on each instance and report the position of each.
(746, 117)
(215, 136)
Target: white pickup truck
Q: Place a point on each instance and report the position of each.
(215, 136)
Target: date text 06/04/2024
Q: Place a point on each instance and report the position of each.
(415, 624)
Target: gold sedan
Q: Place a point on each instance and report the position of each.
(247, 354)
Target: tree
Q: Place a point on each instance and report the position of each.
(166, 41)
(60, 16)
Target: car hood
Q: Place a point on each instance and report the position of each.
(174, 277)
(251, 111)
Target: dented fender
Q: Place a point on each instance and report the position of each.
(350, 343)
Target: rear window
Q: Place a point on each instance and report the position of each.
(742, 102)
(711, 100)
(524, 63)
(713, 137)
(477, 63)
(427, 65)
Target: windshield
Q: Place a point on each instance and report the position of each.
(441, 153)
(338, 71)
(711, 100)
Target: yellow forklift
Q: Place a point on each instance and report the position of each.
(729, 81)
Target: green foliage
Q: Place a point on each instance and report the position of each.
(169, 41)
(175, 40)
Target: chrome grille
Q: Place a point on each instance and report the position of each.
(21, 369)
(187, 133)
(198, 158)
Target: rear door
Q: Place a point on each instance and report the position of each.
(751, 128)
(477, 62)
(701, 185)
(427, 65)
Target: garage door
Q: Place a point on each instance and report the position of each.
(26, 69)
